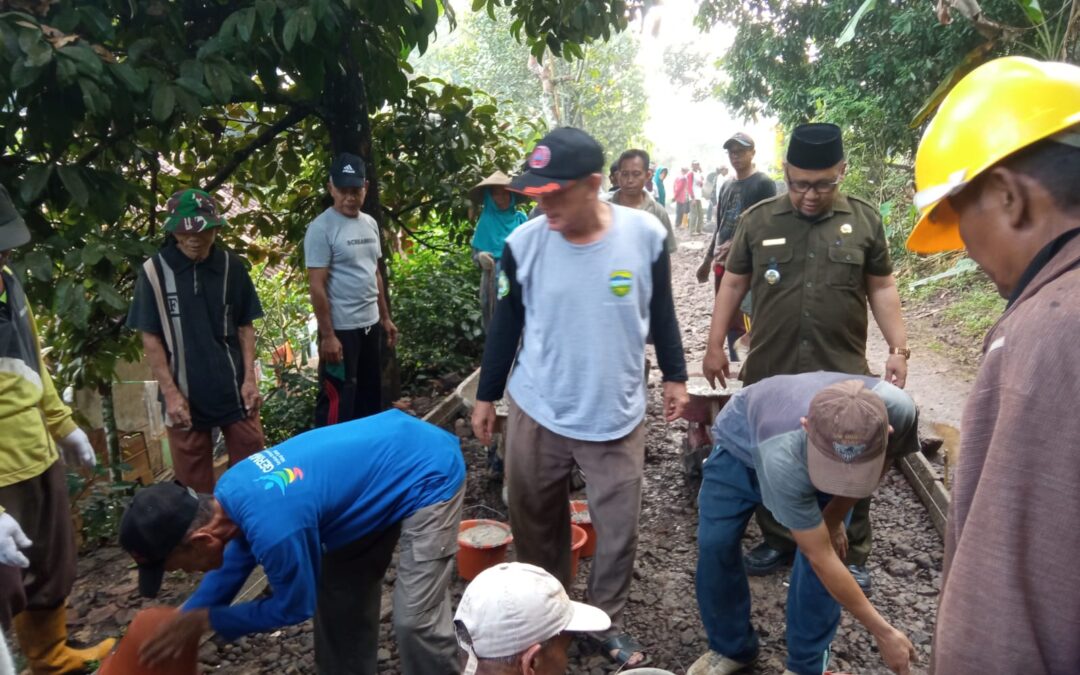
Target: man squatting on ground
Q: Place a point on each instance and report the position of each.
(348, 295)
(807, 447)
(35, 515)
(321, 513)
(516, 619)
(581, 288)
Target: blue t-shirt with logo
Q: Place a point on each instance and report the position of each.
(314, 494)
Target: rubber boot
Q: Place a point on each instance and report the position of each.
(42, 635)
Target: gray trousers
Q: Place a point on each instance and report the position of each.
(538, 466)
(350, 589)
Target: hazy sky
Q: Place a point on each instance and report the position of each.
(681, 129)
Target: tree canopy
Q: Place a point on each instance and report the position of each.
(108, 106)
(600, 88)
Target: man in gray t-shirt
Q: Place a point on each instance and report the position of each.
(342, 251)
(580, 289)
(808, 447)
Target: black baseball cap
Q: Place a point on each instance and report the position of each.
(153, 525)
(739, 138)
(560, 158)
(13, 231)
(815, 146)
(347, 171)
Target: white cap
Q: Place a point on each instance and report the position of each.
(513, 606)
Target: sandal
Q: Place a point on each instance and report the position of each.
(627, 647)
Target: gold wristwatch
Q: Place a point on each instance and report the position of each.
(902, 351)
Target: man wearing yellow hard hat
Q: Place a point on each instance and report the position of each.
(998, 173)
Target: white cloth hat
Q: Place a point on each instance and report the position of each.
(513, 606)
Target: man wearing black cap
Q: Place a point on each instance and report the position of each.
(322, 514)
(581, 288)
(342, 251)
(747, 188)
(37, 545)
(813, 259)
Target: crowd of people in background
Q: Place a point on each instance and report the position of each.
(572, 294)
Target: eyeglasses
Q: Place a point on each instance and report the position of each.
(821, 187)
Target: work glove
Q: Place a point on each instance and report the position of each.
(11, 540)
(77, 450)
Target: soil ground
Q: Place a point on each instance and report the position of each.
(662, 613)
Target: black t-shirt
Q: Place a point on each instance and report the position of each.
(207, 301)
(735, 197)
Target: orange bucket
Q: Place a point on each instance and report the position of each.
(578, 539)
(125, 659)
(579, 515)
(481, 544)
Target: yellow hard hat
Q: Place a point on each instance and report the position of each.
(997, 109)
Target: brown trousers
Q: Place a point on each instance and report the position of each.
(538, 466)
(192, 451)
(40, 506)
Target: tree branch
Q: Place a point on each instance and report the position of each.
(240, 156)
(414, 235)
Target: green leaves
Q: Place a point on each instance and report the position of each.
(163, 103)
(73, 182)
(849, 31)
(1033, 11)
(34, 182)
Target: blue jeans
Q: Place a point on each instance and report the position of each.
(729, 493)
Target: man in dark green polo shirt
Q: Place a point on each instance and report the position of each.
(813, 259)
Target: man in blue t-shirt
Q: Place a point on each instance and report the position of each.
(321, 513)
(581, 288)
(808, 447)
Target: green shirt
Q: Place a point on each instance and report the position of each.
(812, 316)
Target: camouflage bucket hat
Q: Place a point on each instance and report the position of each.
(192, 211)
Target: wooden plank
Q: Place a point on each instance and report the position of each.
(445, 411)
(920, 473)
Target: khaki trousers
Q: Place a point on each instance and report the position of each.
(538, 466)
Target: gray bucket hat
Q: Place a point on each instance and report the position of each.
(13, 232)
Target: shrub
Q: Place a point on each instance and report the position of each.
(437, 311)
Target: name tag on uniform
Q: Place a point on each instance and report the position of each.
(774, 242)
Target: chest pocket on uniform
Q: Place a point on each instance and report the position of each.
(845, 267)
(773, 257)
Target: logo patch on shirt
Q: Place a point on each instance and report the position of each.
(281, 478)
(621, 282)
(502, 285)
(348, 169)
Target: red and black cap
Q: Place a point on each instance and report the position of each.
(560, 158)
(153, 525)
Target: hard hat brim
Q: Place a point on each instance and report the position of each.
(938, 230)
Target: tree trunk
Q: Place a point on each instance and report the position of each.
(348, 120)
(112, 439)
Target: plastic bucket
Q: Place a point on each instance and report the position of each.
(579, 515)
(578, 539)
(652, 671)
(473, 557)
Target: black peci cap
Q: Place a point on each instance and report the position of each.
(815, 146)
(563, 156)
(153, 525)
(347, 171)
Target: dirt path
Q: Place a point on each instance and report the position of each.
(662, 612)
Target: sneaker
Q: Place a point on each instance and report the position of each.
(862, 577)
(712, 663)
